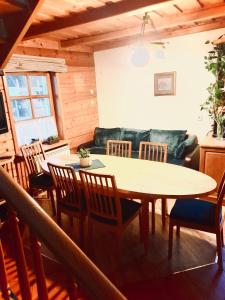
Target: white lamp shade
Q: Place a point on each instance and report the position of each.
(140, 56)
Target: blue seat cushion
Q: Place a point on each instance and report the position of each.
(129, 209)
(194, 211)
(41, 180)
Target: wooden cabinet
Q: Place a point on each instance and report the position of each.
(212, 158)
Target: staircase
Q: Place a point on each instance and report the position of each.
(24, 273)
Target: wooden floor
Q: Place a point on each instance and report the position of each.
(191, 274)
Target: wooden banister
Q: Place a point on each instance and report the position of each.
(82, 269)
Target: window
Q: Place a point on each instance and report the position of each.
(30, 97)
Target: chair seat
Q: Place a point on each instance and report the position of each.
(194, 210)
(68, 207)
(41, 180)
(129, 209)
(67, 203)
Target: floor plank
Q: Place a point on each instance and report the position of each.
(190, 274)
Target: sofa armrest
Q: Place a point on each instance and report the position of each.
(88, 144)
(191, 160)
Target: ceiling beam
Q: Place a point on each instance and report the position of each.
(111, 9)
(173, 32)
(16, 32)
(165, 22)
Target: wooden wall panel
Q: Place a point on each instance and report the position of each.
(77, 93)
(77, 59)
(6, 139)
(80, 112)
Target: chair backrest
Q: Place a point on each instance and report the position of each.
(119, 148)
(220, 194)
(33, 154)
(67, 187)
(101, 197)
(25, 261)
(153, 151)
(16, 264)
(8, 165)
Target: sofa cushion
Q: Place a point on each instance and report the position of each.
(101, 135)
(175, 161)
(187, 146)
(97, 150)
(135, 136)
(172, 138)
(135, 154)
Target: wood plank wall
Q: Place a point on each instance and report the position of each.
(77, 96)
(6, 139)
(77, 101)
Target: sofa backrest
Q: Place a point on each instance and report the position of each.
(135, 136)
(173, 138)
(101, 135)
(179, 142)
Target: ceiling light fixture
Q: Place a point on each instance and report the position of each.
(141, 55)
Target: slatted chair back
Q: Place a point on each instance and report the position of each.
(33, 154)
(14, 264)
(66, 185)
(220, 196)
(153, 151)
(101, 196)
(21, 266)
(9, 166)
(119, 148)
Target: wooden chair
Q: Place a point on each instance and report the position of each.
(200, 215)
(104, 206)
(33, 154)
(119, 148)
(69, 196)
(23, 271)
(155, 152)
(7, 162)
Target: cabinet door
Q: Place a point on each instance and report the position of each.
(215, 164)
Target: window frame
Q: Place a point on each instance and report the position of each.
(30, 96)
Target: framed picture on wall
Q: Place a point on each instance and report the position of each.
(165, 84)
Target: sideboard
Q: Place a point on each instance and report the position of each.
(212, 159)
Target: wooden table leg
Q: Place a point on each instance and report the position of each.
(145, 224)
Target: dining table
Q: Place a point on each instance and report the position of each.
(143, 179)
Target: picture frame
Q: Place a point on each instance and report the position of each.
(165, 84)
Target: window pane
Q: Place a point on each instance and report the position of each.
(38, 85)
(41, 107)
(35, 129)
(17, 85)
(21, 109)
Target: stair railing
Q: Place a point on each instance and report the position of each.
(84, 272)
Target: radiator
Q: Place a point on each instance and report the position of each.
(58, 151)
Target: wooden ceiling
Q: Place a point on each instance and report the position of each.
(102, 24)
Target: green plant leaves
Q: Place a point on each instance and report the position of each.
(215, 64)
(83, 152)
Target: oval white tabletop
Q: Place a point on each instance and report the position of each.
(143, 178)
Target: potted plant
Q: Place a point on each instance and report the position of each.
(215, 103)
(85, 157)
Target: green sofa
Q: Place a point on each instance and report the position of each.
(183, 148)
